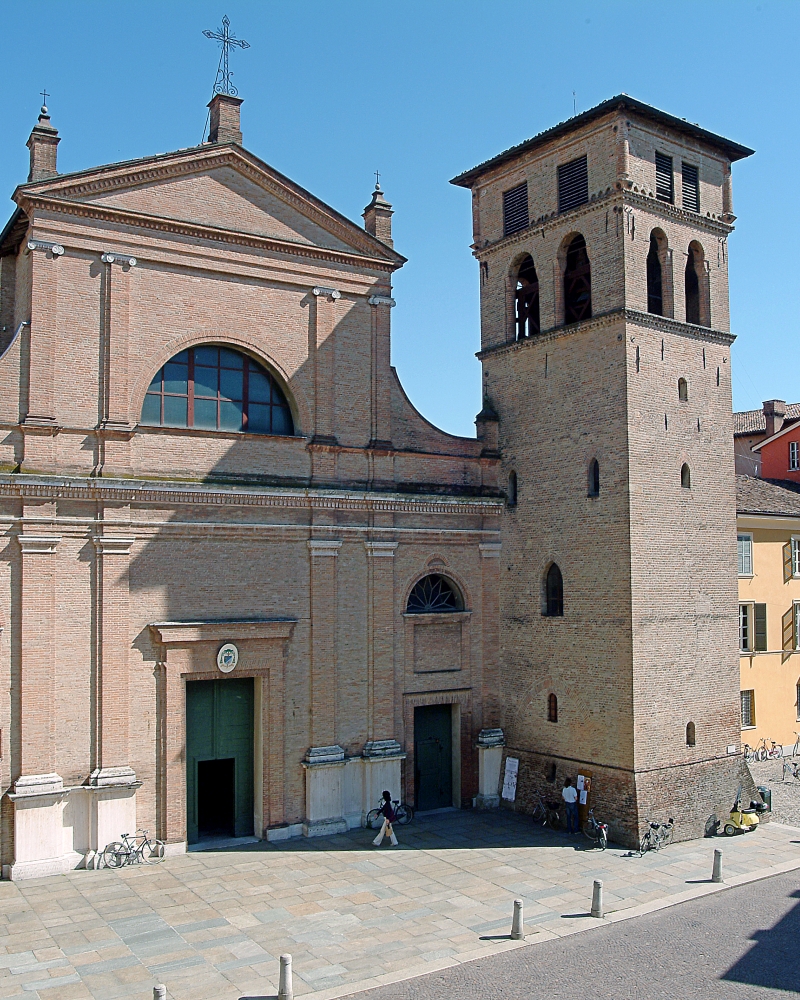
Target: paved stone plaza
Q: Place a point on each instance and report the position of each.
(212, 924)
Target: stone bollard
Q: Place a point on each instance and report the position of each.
(285, 981)
(159, 993)
(597, 899)
(517, 934)
(716, 871)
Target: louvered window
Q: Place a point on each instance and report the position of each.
(515, 209)
(573, 184)
(691, 188)
(748, 709)
(664, 188)
(760, 616)
(745, 546)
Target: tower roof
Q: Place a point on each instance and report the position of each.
(731, 150)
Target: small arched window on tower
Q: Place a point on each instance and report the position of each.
(692, 288)
(686, 477)
(594, 478)
(690, 735)
(655, 283)
(512, 489)
(683, 390)
(526, 299)
(552, 708)
(553, 592)
(577, 282)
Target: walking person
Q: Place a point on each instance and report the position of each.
(388, 819)
(570, 795)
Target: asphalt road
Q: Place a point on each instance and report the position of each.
(740, 943)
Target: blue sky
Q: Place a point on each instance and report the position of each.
(422, 91)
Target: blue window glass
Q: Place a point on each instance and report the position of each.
(216, 388)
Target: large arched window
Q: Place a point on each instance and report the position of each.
(216, 388)
(434, 594)
(526, 299)
(577, 282)
(694, 264)
(554, 593)
(655, 284)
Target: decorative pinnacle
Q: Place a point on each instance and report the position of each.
(227, 40)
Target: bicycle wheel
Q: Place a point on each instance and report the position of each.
(644, 844)
(404, 814)
(152, 852)
(603, 838)
(115, 855)
(762, 754)
(374, 819)
(589, 831)
(553, 819)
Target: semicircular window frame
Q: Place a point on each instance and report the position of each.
(236, 394)
(434, 594)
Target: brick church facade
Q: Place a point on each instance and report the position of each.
(245, 585)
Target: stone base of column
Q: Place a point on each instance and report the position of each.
(324, 792)
(382, 770)
(490, 757)
(104, 776)
(58, 829)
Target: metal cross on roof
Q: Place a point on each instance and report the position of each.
(226, 39)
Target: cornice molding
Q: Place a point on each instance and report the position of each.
(210, 631)
(661, 323)
(113, 545)
(38, 544)
(23, 487)
(140, 220)
(605, 199)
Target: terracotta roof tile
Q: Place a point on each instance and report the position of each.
(754, 421)
(767, 496)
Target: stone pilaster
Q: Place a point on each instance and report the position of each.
(113, 642)
(490, 757)
(380, 640)
(381, 412)
(323, 553)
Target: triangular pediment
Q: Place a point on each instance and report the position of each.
(223, 188)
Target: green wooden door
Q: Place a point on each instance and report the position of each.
(433, 756)
(219, 758)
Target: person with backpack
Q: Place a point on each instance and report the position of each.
(388, 819)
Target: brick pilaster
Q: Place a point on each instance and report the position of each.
(323, 554)
(380, 640)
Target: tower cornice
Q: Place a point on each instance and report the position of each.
(661, 323)
(611, 197)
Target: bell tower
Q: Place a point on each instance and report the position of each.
(602, 249)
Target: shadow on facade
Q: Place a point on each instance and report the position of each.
(771, 962)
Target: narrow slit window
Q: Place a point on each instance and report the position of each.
(691, 187)
(683, 390)
(665, 190)
(552, 708)
(686, 476)
(594, 478)
(554, 593)
(512, 489)
(515, 209)
(691, 735)
(573, 184)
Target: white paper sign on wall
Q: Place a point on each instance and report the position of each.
(510, 779)
(227, 657)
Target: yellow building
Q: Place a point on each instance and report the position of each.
(768, 534)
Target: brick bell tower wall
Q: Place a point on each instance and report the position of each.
(647, 641)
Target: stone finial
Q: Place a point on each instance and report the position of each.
(225, 121)
(43, 144)
(378, 217)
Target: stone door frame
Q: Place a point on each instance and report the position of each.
(461, 699)
(189, 651)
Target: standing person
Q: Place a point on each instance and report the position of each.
(570, 796)
(388, 819)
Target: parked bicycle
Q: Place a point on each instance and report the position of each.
(772, 752)
(656, 836)
(545, 813)
(134, 850)
(596, 831)
(750, 754)
(792, 768)
(403, 814)
(796, 747)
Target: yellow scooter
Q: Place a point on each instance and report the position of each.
(741, 820)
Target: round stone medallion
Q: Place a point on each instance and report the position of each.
(227, 657)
